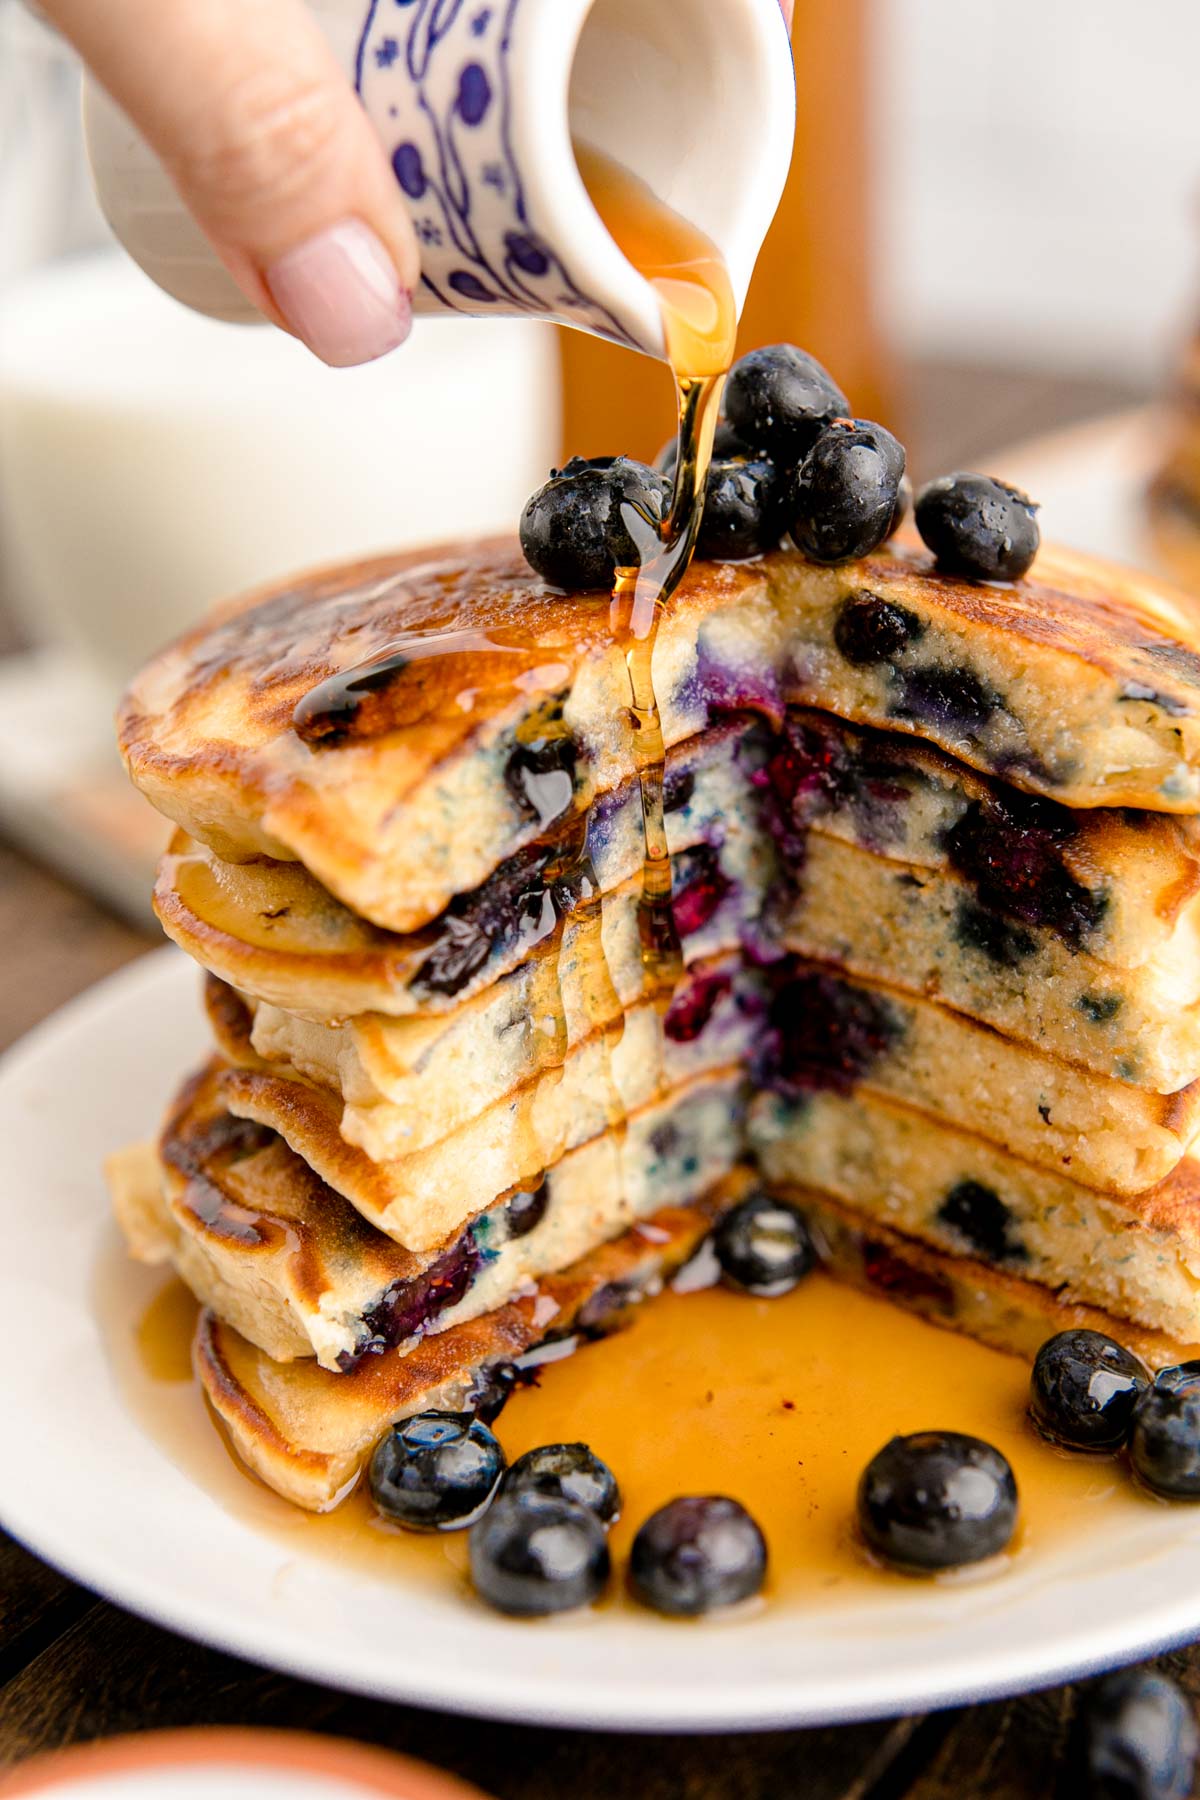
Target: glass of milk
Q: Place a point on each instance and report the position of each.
(153, 461)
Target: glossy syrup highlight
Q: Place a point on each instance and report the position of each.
(692, 284)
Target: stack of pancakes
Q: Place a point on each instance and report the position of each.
(936, 873)
(1175, 492)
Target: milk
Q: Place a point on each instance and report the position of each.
(153, 461)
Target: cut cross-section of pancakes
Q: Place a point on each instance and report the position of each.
(419, 1199)
(935, 863)
(1134, 1254)
(925, 931)
(823, 1030)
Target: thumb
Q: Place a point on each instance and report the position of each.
(247, 107)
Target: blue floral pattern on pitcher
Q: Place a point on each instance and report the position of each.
(433, 76)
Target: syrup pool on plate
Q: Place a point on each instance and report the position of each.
(778, 1403)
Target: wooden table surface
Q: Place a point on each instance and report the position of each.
(73, 1667)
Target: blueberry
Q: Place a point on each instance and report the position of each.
(935, 1500)
(572, 531)
(743, 510)
(571, 1472)
(825, 1032)
(843, 497)
(1137, 1738)
(1083, 1390)
(726, 442)
(975, 1213)
(779, 397)
(868, 630)
(978, 527)
(953, 699)
(435, 1471)
(697, 1553)
(533, 1554)
(526, 1210)
(1164, 1441)
(763, 1246)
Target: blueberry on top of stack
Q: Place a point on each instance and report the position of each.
(786, 458)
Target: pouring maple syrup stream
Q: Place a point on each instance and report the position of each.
(688, 274)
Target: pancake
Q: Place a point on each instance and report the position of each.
(308, 1433)
(255, 1233)
(924, 930)
(996, 1306)
(271, 930)
(274, 930)
(392, 1107)
(795, 1024)
(1135, 1255)
(421, 1199)
(464, 706)
(819, 1029)
(277, 1253)
(1124, 886)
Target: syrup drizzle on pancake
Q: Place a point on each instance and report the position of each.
(360, 701)
(692, 284)
(689, 276)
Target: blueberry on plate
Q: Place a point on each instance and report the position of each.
(1164, 1441)
(726, 442)
(842, 499)
(763, 1246)
(533, 1554)
(778, 398)
(572, 530)
(743, 508)
(697, 1553)
(435, 1471)
(569, 1471)
(978, 527)
(1137, 1739)
(1083, 1390)
(935, 1500)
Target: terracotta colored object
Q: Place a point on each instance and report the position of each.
(373, 1774)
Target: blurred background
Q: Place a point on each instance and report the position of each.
(991, 235)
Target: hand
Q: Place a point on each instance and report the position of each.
(248, 109)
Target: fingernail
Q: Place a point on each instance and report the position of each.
(339, 292)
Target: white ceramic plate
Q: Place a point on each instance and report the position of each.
(86, 1484)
